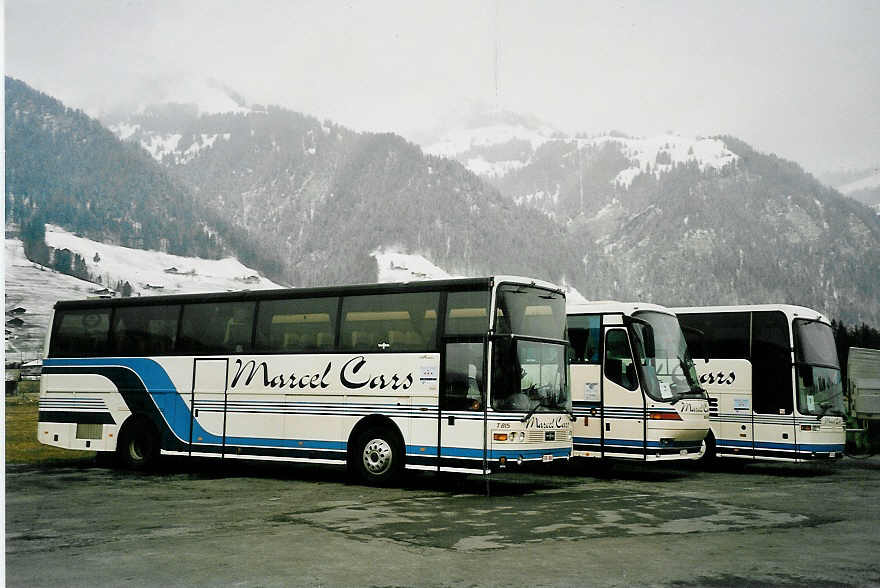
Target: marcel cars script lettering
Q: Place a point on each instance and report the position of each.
(535, 422)
(720, 378)
(693, 408)
(353, 374)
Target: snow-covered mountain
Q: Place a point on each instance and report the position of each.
(37, 288)
(499, 143)
(295, 185)
(673, 220)
(707, 219)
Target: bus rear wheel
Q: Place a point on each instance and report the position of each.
(378, 457)
(708, 456)
(138, 447)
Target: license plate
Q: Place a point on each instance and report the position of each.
(546, 458)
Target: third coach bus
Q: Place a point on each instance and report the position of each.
(773, 379)
(634, 388)
(465, 375)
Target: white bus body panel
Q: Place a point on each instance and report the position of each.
(291, 407)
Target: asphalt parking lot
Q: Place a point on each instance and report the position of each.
(257, 524)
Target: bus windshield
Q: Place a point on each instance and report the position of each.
(528, 367)
(670, 374)
(819, 385)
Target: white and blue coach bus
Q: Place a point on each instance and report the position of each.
(773, 378)
(634, 387)
(464, 375)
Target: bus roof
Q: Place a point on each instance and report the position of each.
(614, 307)
(791, 310)
(244, 295)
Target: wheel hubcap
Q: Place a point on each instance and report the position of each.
(377, 456)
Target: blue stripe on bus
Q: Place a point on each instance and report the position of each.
(769, 445)
(635, 443)
(292, 443)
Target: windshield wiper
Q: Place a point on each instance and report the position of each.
(551, 406)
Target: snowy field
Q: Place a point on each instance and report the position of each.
(154, 272)
(395, 266)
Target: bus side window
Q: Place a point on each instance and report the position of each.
(216, 327)
(145, 330)
(619, 365)
(726, 334)
(300, 324)
(583, 334)
(389, 323)
(467, 313)
(81, 333)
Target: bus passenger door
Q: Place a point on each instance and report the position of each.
(208, 423)
(772, 390)
(585, 383)
(462, 394)
(623, 425)
(586, 400)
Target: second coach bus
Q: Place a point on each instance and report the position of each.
(773, 379)
(465, 375)
(634, 387)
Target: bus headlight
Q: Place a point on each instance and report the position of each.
(522, 436)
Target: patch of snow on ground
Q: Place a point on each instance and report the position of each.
(161, 145)
(124, 130)
(395, 266)
(572, 296)
(707, 153)
(462, 140)
(494, 169)
(206, 142)
(872, 181)
(145, 270)
(538, 196)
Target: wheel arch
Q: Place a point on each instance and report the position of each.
(134, 420)
(370, 422)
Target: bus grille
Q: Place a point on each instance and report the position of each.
(89, 431)
(713, 407)
(538, 436)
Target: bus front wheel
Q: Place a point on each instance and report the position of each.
(138, 447)
(378, 456)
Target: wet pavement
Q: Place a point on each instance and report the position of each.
(253, 524)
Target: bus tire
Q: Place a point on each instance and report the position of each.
(378, 456)
(709, 456)
(138, 446)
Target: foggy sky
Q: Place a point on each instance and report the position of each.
(800, 79)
